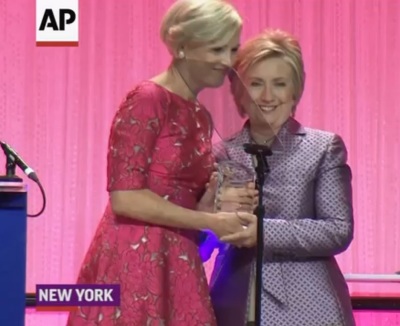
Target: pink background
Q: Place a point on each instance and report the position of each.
(56, 105)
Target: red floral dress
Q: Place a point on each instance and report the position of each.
(161, 142)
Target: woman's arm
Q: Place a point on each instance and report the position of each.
(146, 206)
(331, 231)
(133, 141)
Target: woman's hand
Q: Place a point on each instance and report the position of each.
(247, 237)
(233, 199)
(226, 225)
(207, 202)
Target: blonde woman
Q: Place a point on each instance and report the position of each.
(307, 199)
(159, 161)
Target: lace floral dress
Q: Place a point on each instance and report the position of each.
(162, 142)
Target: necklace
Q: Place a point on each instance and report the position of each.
(196, 101)
(261, 140)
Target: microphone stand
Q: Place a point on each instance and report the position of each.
(260, 152)
(10, 171)
(12, 161)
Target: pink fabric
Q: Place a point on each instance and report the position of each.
(159, 269)
(56, 107)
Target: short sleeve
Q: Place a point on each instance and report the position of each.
(133, 137)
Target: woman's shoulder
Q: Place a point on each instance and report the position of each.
(148, 90)
(324, 136)
(144, 100)
(325, 141)
(154, 93)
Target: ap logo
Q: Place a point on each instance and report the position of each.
(57, 23)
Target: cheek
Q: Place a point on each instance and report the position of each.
(285, 95)
(251, 94)
(245, 98)
(286, 110)
(198, 70)
(210, 57)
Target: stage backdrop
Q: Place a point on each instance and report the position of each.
(56, 105)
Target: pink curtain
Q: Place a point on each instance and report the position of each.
(56, 105)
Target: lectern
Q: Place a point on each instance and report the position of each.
(13, 238)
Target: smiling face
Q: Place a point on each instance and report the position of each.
(270, 83)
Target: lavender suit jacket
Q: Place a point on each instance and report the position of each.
(308, 220)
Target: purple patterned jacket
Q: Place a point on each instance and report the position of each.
(308, 220)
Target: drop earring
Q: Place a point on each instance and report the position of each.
(181, 55)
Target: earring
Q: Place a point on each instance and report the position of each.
(181, 55)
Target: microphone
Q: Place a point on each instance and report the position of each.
(12, 154)
(256, 149)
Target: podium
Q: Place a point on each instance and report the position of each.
(13, 239)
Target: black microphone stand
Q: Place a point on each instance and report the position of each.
(10, 171)
(260, 152)
(12, 180)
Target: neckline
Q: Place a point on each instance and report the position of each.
(192, 102)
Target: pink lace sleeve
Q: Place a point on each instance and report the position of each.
(133, 136)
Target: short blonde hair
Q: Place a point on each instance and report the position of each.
(198, 21)
(269, 43)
